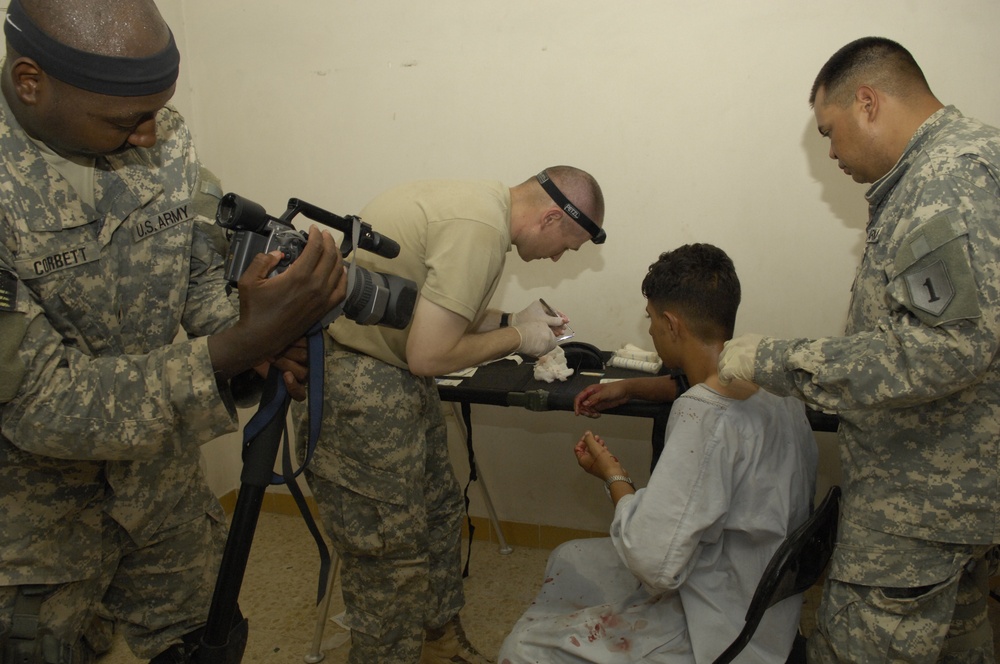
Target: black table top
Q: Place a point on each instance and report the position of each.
(507, 383)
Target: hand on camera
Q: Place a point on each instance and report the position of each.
(287, 305)
(536, 338)
(276, 311)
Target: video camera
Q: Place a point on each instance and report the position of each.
(373, 298)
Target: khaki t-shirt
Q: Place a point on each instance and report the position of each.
(454, 237)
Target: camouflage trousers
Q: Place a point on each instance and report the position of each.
(155, 594)
(946, 622)
(391, 505)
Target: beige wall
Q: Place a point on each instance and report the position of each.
(692, 115)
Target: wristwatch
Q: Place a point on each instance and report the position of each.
(617, 478)
(504, 319)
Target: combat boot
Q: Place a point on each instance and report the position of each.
(449, 645)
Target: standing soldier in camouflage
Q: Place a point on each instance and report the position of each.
(106, 254)
(381, 472)
(916, 378)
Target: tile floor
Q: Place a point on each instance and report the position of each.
(279, 592)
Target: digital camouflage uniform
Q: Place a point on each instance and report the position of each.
(391, 503)
(102, 414)
(915, 382)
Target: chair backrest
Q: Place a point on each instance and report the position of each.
(795, 566)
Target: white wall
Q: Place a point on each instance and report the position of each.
(692, 115)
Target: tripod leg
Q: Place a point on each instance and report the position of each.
(322, 616)
(259, 456)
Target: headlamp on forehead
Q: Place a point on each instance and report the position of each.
(102, 74)
(576, 214)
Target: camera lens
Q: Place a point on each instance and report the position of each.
(375, 298)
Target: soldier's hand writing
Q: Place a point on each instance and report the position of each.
(536, 338)
(536, 311)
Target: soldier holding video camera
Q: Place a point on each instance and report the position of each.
(106, 254)
(381, 473)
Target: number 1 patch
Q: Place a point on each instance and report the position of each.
(931, 288)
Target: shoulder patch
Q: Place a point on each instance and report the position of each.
(8, 290)
(206, 199)
(930, 288)
(932, 266)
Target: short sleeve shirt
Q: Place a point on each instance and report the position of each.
(454, 237)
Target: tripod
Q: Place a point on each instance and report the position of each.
(225, 632)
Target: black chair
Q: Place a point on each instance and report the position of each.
(795, 566)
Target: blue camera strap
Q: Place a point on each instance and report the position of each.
(278, 405)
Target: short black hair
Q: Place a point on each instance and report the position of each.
(700, 282)
(873, 61)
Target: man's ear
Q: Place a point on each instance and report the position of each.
(674, 323)
(551, 217)
(27, 79)
(866, 99)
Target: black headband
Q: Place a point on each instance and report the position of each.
(103, 74)
(576, 214)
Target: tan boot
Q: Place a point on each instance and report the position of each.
(449, 645)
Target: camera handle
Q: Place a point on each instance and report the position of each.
(262, 439)
(363, 235)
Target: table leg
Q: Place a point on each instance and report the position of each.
(504, 547)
